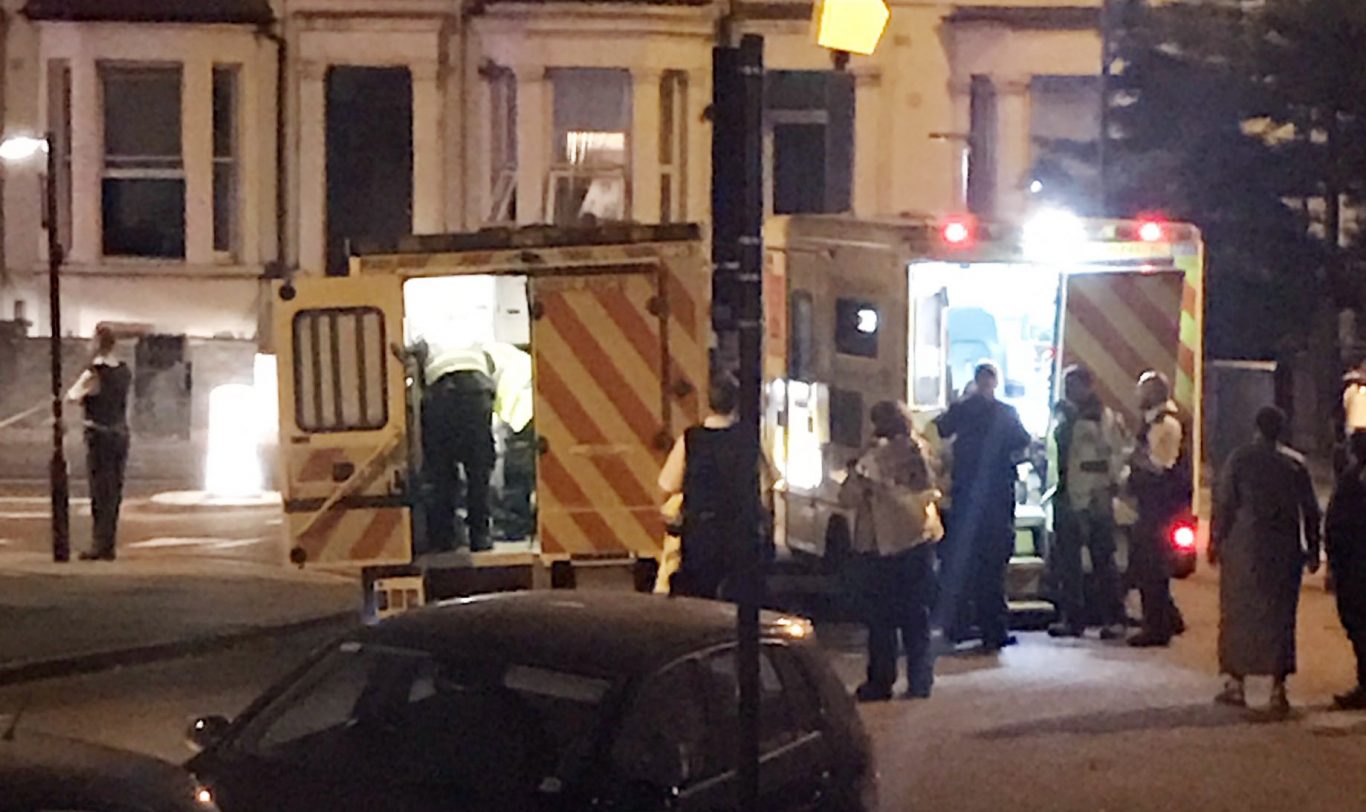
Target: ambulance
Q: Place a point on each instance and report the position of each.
(616, 322)
(904, 309)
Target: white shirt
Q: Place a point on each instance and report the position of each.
(1164, 436)
(1354, 405)
(88, 384)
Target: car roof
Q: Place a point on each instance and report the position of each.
(600, 633)
(38, 768)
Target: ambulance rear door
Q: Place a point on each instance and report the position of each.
(599, 341)
(343, 419)
(1120, 323)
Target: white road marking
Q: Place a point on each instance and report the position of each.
(218, 543)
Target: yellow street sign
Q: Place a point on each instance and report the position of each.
(854, 26)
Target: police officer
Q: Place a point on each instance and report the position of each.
(457, 438)
(102, 390)
(1161, 481)
(1089, 454)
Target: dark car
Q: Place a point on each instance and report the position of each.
(542, 701)
(40, 773)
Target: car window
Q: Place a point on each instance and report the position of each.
(800, 689)
(406, 718)
(663, 736)
(722, 690)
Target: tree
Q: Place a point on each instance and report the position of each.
(1206, 119)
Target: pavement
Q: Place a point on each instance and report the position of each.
(62, 619)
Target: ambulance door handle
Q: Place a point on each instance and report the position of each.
(542, 446)
(682, 388)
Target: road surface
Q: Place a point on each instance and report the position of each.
(1049, 726)
(253, 535)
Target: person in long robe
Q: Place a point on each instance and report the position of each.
(1265, 534)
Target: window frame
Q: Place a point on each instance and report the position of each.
(501, 84)
(673, 147)
(561, 170)
(232, 161)
(382, 374)
(126, 168)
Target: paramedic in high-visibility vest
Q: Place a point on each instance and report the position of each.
(1161, 480)
(1087, 446)
(102, 389)
(457, 440)
(514, 517)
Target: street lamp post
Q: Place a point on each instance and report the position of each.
(13, 150)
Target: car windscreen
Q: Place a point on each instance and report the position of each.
(493, 730)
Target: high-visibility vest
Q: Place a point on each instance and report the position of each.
(512, 395)
(442, 361)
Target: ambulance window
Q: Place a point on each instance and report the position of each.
(846, 417)
(339, 370)
(856, 327)
(801, 358)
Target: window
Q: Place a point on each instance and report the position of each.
(801, 359)
(722, 691)
(810, 132)
(59, 124)
(981, 191)
(673, 147)
(502, 145)
(663, 737)
(856, 327)
(143, 194)
(592, 117)
(846, 418)
(225, 160)
(339, 370)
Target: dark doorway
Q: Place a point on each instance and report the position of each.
(369, 157)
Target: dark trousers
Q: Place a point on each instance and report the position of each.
(1150, 568)
(895, 594)
(515, 517)
(1092, 530)
(457, 443)
(981, 541)
(1351, 600)
(106, 457)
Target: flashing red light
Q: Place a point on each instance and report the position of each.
(1151, 231)
(958, 231)
(1183, 537)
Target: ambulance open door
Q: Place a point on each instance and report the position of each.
(1120, 324)
(343, 419)
(927, 375)
(599, 349)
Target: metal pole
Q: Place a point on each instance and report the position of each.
(1106, 68)
(750, 326)
(61, 496)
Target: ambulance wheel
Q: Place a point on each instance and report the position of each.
(838, 544)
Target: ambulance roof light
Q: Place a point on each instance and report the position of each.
(1152, 231)
(1054, 235)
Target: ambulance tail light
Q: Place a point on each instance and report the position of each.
(958, 232)
(1183, 536)
(1152, 231)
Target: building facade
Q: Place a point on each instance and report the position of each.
(203, 148)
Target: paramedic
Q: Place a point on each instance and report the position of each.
(457, 438)
(1089, 449)
(988, 438)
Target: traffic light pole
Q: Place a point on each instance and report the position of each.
(738, 253)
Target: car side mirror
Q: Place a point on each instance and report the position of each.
(206, 731)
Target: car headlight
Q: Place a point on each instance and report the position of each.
(204, 800)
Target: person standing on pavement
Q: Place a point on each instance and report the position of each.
(988, 439)
(704, 467)
(1353, 414)
(1160, 479)
(1345, 539)
(1264, 535)
(1088, 448)
(102, 389)
(457, 438)
(892, 574)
